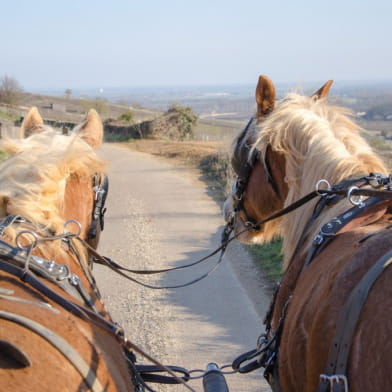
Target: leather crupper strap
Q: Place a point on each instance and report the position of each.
(334, 378)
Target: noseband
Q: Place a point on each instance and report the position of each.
(243, 161)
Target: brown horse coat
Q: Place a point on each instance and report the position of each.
(316, 301)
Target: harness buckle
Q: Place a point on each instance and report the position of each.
(377, 180)
(336, 379)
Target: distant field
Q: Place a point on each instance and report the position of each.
(377, 126)
(210, 130)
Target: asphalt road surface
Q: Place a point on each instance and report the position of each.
(160, 215)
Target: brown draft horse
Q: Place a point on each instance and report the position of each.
(55, 334)
(281, 155)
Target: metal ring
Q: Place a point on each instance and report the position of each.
(33, 243)
(319, 182)
(359, 200)
(77, 223)
(203, 372)
(227, 371)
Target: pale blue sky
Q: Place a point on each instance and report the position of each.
(94, 43)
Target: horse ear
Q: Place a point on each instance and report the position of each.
(91, 130)
(31, 124)
(265, 96)
(323, 91)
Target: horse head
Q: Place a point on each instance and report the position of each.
(260, 188)
(50, 179)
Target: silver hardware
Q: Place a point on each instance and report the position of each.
(347, 215)
(50, 265)
(61, 268)
(319, 191)
(74, 280)
(327, 229)
(335, 379)
(355, 202)
(29, 247)
(64, 271)
(98, 191)
(376, 180)
(71, 234)
(318, 240)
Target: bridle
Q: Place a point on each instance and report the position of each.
(243, 162)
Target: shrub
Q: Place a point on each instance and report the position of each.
(99, 104)
(217, 168)
(184, 120)
(127, 117)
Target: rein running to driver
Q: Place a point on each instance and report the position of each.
(344, 189)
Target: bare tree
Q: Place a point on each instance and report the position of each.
(10, 90)
(68, 93)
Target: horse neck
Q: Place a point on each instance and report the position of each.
(304, 181)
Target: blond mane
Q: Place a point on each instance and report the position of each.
(318, 142)
(34, 177)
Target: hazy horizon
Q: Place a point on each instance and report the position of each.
(213, 90)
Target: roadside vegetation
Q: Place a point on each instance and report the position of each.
(8, 116)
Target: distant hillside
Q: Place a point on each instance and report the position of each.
(222, 110)
(73, 110)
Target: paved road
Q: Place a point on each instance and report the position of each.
(158, 216)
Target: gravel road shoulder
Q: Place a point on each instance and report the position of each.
(158, 216)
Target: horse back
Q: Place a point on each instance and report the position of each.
(316, 305)
(42, 343)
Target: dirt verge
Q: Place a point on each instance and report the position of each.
(186, 152)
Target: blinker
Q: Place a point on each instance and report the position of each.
(100, 188)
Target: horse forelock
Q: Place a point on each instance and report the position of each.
(33, 179)
(318, 141)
